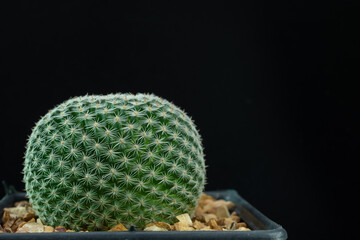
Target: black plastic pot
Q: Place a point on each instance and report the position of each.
(262, 227)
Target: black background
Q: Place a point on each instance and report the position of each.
(270, 85)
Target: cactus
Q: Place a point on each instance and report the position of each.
(95, 161)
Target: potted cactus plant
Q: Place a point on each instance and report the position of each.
(118, 162)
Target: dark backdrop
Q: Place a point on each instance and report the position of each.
(269, 84)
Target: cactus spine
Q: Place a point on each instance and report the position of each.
(95, 161)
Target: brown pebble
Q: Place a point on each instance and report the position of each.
(22, 204)
(160, 225)
(209, 209)
(225, 222)
(206, 197)
(200, 218)
(235, 217)
(22, 224)
(220, 222)
(31, 227)
(48, 229)
(241, 224)
(8, 219)
(205, 201)
(206, 228)
(243, 229)
(154, 228)
(209, 216)
(118, 227)
(60, 229)
(214, 225)
(222, 212)
(185, 219)
(198, 225)
(185, 223)
(181, 226)
(25, 213)
(19, 222)
(199, 211)
(218, 203)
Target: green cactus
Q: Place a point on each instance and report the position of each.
(95, 161)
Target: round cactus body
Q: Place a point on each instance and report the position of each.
(95, 161)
